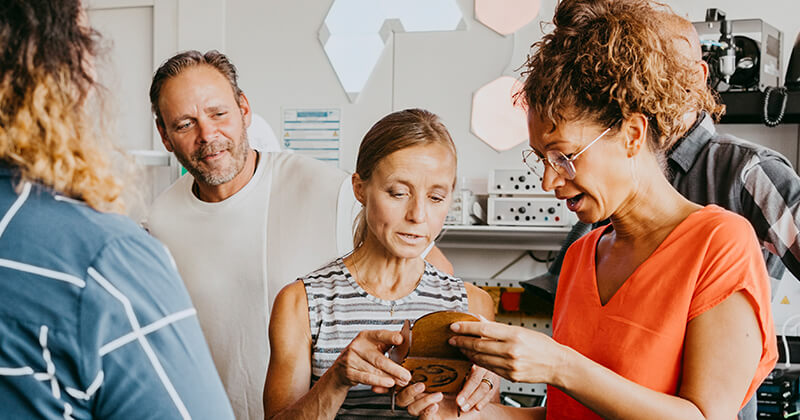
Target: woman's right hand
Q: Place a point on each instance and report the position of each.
(506, 350)
(364, 361)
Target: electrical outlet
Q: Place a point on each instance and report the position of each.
(459, 209)
(528, 211)
(515, 181)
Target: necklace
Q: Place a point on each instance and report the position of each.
(362, 284)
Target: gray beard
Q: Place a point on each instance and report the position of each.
(215, 178)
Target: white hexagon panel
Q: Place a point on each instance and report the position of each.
(506, 16)
(355, 32)
(495, 119)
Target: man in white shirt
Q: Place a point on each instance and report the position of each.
(241, 224)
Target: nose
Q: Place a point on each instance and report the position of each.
(208, 131)
(416, 210)
(551, 179)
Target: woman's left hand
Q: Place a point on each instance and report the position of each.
(431, 406)
(478, 389)
(515, 353)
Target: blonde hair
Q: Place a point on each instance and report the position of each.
(396, 131)
(46, 131)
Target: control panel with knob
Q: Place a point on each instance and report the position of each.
(528, 211)
(515, 181)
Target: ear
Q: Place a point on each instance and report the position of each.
(704, 67)
(358, 188)
(244, 107)
(635, 132)
(162, 131)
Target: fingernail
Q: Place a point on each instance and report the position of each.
(465, 407)
(455, 326)
(452, 341)
(402, 383)
(460, 400)
(419, 386)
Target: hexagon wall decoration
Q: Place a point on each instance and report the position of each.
(506, 16)
(495, 119)
(355, 32)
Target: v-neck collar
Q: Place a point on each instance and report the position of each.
(671, 236)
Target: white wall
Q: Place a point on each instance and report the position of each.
(281, 61)
(275, 46)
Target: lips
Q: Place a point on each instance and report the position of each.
(212, 151)
(213, 155)
(410, 237)
(574, 202)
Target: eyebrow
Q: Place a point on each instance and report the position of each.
(209, 109)
(392, 179)
(215, 108)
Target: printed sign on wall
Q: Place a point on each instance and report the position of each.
(313, 132)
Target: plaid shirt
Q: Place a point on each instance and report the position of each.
(756, 182)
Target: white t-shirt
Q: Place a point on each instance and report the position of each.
(233, 273)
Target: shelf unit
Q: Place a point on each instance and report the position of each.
(502, 237)
(747, 107)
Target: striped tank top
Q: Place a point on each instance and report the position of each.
(338, 309)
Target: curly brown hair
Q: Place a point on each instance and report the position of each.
(608, 59)
(46, 131)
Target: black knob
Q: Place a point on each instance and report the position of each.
(551, 210)
(522, 178)
(522, 210)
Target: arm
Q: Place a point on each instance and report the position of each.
(438, 260)
(286, 391)
(770, 199)
(168, 371)
(721, 353)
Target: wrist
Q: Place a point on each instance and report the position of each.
(336, 379)
(564, 368)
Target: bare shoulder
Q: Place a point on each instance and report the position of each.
(290, 308)
(479, 301)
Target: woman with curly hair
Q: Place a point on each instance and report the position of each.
(94, 319)
(664, 313)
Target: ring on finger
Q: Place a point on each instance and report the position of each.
(488, 382)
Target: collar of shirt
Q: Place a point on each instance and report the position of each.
(685, 151)
(6, 169)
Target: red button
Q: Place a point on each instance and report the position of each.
(510, 301)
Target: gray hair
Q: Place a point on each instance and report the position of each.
(188, 59)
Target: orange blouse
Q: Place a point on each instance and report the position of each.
(639, 332)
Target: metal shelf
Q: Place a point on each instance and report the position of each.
(151, 157)
(747, 107)
(503, 237)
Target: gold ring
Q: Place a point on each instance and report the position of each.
(488, 382)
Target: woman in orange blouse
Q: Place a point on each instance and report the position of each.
(664, 313)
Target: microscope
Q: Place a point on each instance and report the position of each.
(742, 54)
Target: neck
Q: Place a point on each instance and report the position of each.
(217, 193)
(384, 275)
(653, 207)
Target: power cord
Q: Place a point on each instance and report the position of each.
(783, 338)
(549, 259)
(784, 95)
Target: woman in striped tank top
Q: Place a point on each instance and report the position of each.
(329, 330)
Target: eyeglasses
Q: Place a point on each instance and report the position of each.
(558, 161)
